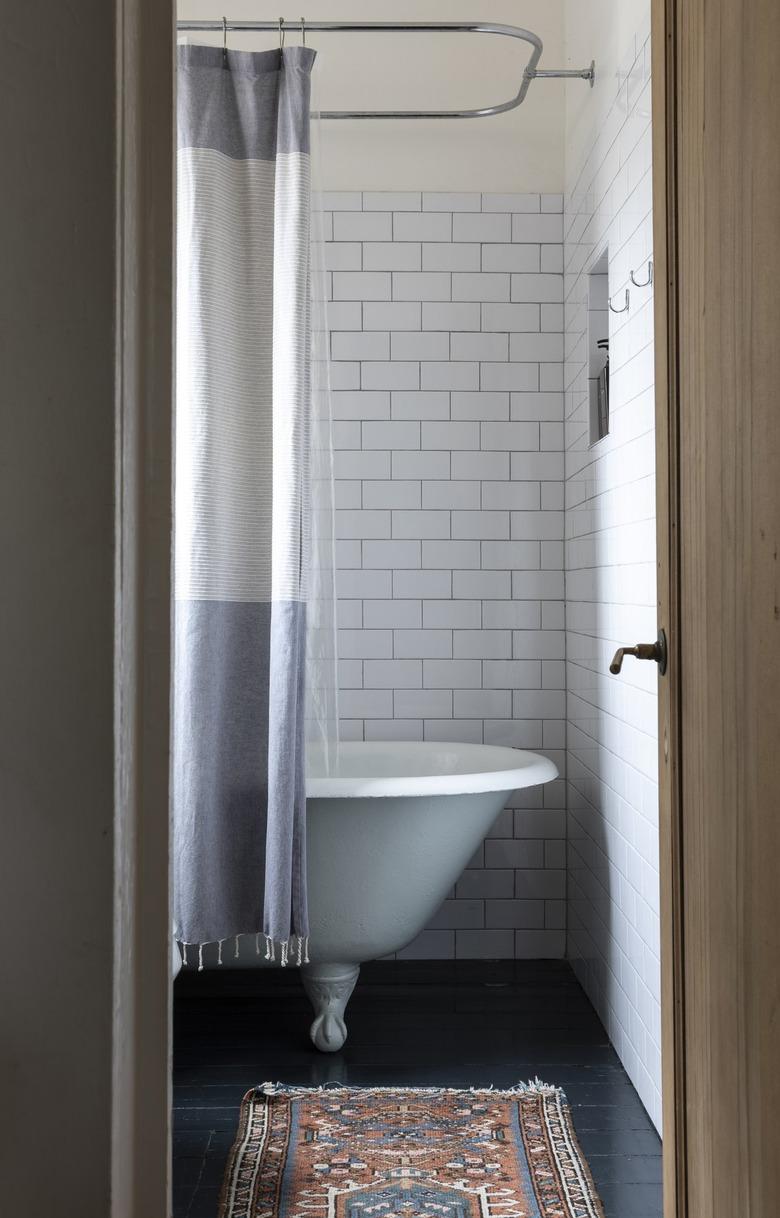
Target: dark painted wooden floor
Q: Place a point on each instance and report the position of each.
(410, 1024)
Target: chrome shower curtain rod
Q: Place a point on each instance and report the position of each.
(530, 72)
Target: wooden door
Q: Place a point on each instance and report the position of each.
(717, 200)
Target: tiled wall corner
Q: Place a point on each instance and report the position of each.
(447, 343)
(613, 901)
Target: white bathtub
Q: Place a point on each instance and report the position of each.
(389, 832)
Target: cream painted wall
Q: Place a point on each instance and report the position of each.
(518, 151)
(603, 30)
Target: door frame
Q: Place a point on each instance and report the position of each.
(144, 266)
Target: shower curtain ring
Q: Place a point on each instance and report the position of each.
(224, 43)
(281, 33)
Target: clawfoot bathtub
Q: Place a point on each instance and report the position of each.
(389, 832)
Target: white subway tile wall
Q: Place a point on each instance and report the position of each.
(613, 900)
(446, 336)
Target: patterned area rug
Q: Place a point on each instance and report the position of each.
(407, 1153)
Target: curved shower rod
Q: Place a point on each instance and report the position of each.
(530, 72)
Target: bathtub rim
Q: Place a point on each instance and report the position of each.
(489, 767)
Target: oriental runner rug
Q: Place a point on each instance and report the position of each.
(407, 1153)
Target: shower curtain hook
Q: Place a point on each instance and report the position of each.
(612, 307)
(224, 43)
(281, 33)
(644, 282)
(303, 31)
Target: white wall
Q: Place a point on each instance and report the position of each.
(613, 900)
(447, 348)
(519, 151)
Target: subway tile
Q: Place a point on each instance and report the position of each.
(390, 374)
(451, 554)
(449, 494)
(422, 285)
(392, 615)
(392, 200)
(342, 256)
(512, 674)
(350, 614)
(482, 703)
(476, 226)
(518, 437)
(539, 347)
(459, 915)
(422, 644)
(366, 703)
(539, 644)
(480, 465)
(430, 945)
(551, 317)
(393, 435)
(541, 406)
(513, 258)
(420, 345)
(538, 526)
(361, 285)
(391, 494)
(451, 614)
(422, 226)
(362, 226)
(350, 674)
(449, 376)
(491, 584)
(452, 674)
(511, 202)
(510, 317)
(359, 405)
(509, 376)
(346, 434)
(448, 256)
(345, 315)
(421, 524)
(354, 345)
(339, 200)
(502, 853)
(344, 375)
(470, 346)
(483, 944)
(448, 316)
(423, 703)
(544, 227)
(480, 405)
(392, 674)
(347, 494)
(348, 554)
(450, 435)
(537, 466)
(365, 644)
(361, 464)
(434, 200)
(507, 496)
(420, 404)
(510, 555)
(480, 525)
(391, 315)
(365, 584)
(481, 885)
(539, 944)
(552, 202)
(362, 524)
(427, 464)
(391, 256)
(393, 729)
(479, 286)
(392, 554)
(551, 259)
(535, 289)
(516, 914)
(422, 583)
(482, 644)
(511, 615)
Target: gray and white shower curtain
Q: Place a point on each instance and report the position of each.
(243, 496)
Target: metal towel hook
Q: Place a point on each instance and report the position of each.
(643, 283)
(224, 43)
(281, 33)
(612, 307)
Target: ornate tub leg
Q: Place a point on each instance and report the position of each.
(329, 987)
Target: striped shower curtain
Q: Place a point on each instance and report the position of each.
(242, 504)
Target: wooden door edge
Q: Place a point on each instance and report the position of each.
(664, 122)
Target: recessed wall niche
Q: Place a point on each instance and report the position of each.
(598, 349)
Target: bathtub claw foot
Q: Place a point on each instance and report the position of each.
(329, 987)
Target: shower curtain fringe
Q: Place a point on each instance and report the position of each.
(294, 950)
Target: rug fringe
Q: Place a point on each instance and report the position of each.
(534, 1086)
(294, 950)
